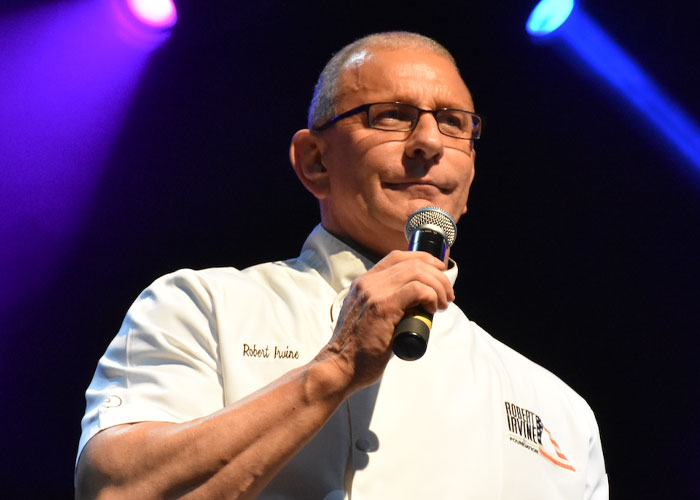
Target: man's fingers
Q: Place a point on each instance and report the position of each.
(416, 292)
(406, 271)
(398, 256)
(429, 277)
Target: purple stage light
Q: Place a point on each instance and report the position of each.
(157, 13)
(66, 81)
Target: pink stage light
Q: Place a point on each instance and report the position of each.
(144, 23)
(156, 13)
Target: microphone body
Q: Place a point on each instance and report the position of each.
(429, 230)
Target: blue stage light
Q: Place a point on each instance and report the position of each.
(606, 58)
(548, 15)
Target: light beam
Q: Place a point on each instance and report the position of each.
(590, 42)
(66, 81)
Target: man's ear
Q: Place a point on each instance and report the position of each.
(306, 154)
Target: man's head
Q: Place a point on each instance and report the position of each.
(368, 180)
(326, 92)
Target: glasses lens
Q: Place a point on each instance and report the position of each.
(458, 123)
(392, 116)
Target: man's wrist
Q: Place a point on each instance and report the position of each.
(325, 380)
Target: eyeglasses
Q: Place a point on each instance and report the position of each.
(402, 117)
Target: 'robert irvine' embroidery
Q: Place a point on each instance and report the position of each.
(527, 430)
(277, 352)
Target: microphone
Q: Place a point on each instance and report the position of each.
(431, 230)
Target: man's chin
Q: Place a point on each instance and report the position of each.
(418, 203)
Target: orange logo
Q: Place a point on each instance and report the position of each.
(555, 455)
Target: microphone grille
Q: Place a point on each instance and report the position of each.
(433, 218)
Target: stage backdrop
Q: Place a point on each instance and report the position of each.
(580, 248)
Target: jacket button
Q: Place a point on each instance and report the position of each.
(362, 444)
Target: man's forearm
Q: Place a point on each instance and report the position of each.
(233, 453)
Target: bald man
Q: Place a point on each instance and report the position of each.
(278, 381)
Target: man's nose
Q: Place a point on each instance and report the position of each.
(426, 140)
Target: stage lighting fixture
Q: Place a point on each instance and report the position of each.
(548, 15)
(156, 13)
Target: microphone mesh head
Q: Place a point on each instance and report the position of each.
(435, 219)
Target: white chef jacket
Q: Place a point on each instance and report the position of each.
(471, 419)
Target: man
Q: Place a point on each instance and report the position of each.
(278, 381)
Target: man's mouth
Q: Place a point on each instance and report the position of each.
(418, 187)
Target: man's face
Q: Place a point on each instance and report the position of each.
(378, 178)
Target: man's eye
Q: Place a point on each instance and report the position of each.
(452, 120)
(388, 115)
(393, 117)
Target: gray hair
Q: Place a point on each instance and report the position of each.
(325, 96)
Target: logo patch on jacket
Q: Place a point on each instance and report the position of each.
(527, 430)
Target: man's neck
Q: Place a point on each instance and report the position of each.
(367, 253)
(362, 250)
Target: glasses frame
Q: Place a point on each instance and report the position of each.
(366, 107)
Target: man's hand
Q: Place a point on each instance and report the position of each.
(361, 343)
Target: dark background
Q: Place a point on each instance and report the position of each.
(580, 248)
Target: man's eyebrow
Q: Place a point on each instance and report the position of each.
(436, 104)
